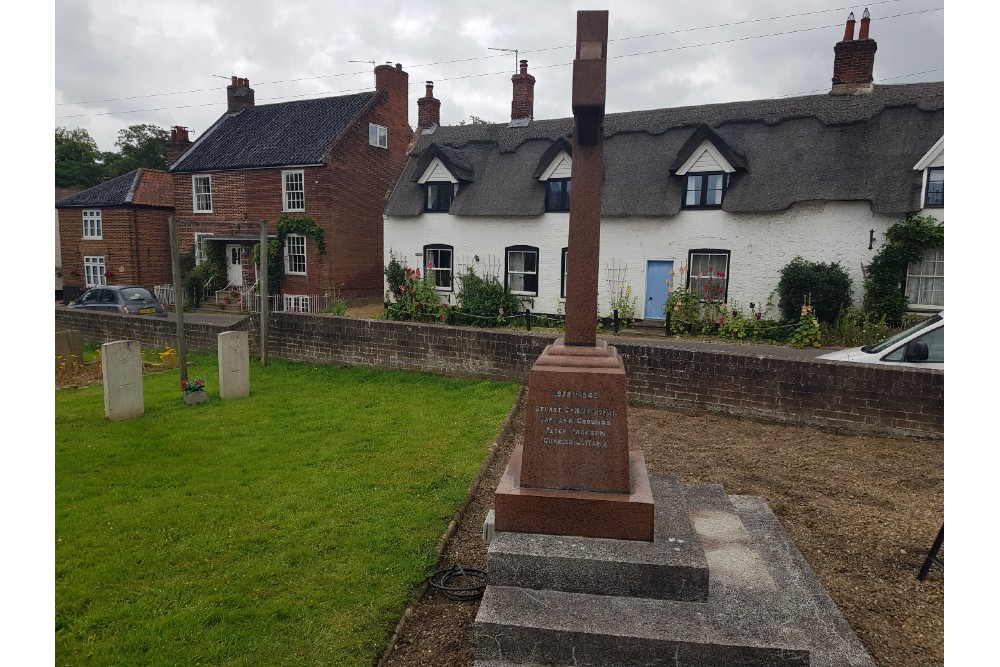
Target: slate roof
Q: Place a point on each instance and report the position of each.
(139, 187)
(817, 147)
(274, 135)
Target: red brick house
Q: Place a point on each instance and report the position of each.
(333, 160)
(116, 232)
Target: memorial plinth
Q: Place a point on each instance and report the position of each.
(574, 474)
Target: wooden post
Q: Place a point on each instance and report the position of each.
(263, 292)
(175, 259)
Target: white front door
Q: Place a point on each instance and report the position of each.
(235, 263)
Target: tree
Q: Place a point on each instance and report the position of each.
(78, 161)
(475, 120)
(139, 146)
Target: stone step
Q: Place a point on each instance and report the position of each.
(764, 607)
(673, 566)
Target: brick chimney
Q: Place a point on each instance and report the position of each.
(428, 109)
(854, 60)
(178, 143)
(523, 103)
(239, 95)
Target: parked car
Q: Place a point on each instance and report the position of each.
(922, 346)
(121, 299)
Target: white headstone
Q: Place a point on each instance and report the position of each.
(121, 366)
(234, 364)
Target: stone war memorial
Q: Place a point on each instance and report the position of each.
(595, 561)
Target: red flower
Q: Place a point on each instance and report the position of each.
(500, 310)
(722, 320)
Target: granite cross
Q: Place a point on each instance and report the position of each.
(589, 88)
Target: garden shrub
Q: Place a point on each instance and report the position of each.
(416, 299)
(485, 301)
(825, 285)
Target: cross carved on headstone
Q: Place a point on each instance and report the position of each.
(589, 92)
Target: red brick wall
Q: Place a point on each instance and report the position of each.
(829, 394)
(135, 246)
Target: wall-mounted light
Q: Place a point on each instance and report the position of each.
(477, 258)
(871, 239)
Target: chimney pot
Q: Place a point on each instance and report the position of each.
(865, 21)
(849, 28)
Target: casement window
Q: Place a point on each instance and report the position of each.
(201, 187)
(557, 194)
(438, 265)
(92, 224)
(378, 135)
(439, 196)
(935, 187)
(93, 270)
(293, 191)
(565, 265)
(295, 254)
(925, 280)
(704, 190)
(522, 270)
(296, 303)
(708, 274)
(200, 239)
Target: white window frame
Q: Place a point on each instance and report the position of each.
(296, 242)
(378, 135)
(698, 287)
(296, 303)
(199, 246)
(92, 227)
(511, 273)
(199, 205)
(93, 270)
(437, 269)
(289, 193)
(923, 270)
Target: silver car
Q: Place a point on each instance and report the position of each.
(921, 346)
(121, 299)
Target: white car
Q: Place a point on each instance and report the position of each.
(920, 346)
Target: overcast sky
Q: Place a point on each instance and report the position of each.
(119, 63)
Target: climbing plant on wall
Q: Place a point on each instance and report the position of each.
(885, 278)
(285, 225)
(303, 225)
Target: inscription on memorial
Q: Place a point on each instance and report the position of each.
(565, 422)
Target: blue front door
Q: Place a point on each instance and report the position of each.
(657, 287)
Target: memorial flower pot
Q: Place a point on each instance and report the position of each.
(194, 391)
(195, 397)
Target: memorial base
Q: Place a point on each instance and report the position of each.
(619, 516)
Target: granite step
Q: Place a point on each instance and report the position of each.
(764, 608)
(673, 566)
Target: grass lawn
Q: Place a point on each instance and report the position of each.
(288, 528)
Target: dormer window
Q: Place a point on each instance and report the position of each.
(704, 190)
(932, 164)
(557, 194)
(439, 196)
(706, 162)
(935, 187)
(555, 170)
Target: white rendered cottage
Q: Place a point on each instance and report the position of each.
(743, 187)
